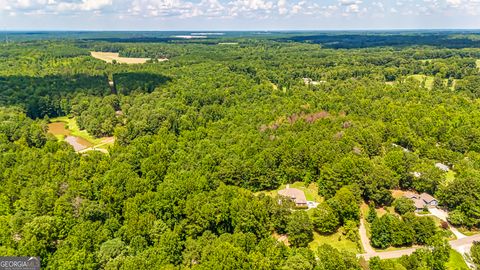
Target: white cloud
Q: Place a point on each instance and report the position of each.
(255, 9)
(53, 6)
(282, 7)
(351, 6)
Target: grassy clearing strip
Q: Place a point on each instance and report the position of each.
(420, 78)
(478, 63)
(429, 81)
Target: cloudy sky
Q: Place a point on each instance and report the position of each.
(237, 14)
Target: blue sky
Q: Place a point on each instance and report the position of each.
(237, 14)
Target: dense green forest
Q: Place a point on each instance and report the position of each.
(201, 138)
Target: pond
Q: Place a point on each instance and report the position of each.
(59, 128)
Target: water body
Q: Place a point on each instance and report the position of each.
(78, 143)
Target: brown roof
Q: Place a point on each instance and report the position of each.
(419, 203)
(411, 195)
(295, 194)
(427, 197)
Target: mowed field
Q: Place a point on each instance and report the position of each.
(110, 56)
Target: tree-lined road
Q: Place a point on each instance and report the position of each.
(461, 245)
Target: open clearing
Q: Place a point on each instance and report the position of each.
(478, 63)
(311, 191)
(337, 240)
(429, 81)
(66, 129)
(110, 56)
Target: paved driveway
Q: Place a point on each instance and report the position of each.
(367, 248)
(443, 215)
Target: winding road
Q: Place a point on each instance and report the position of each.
(462, 245)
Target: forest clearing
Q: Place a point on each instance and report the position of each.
(66, 129)
(109, 57)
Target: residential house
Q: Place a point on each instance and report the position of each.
(422, 201)
(296, 195)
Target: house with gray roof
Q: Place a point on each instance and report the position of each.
(421, 201)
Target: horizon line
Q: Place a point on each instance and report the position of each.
(240, 30)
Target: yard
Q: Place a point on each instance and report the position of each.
(468, 232)
(311, 191)
(456, 261)
(337, 240)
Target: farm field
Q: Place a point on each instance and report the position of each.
(109, 57)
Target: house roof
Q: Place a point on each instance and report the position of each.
(427, 197)
(419, 203)
(442, 166)
(411, 195)
(296, 195)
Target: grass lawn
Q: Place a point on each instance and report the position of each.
(450, 176)
(429, 81)
(425, 60)
(380, 211)
(311, 191)
(420, 78)
(456, 261)
(75, 130)
(468, 232)
(337, 240)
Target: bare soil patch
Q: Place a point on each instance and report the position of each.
(110, 56)
(292, 119)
